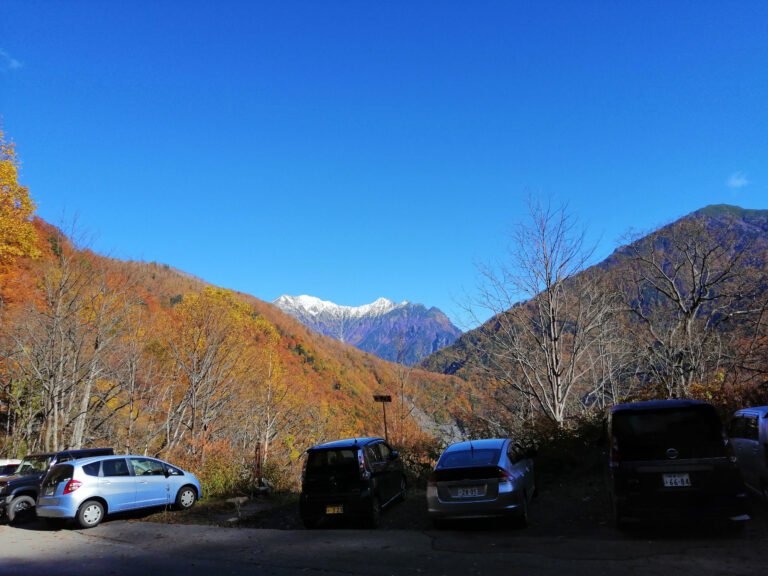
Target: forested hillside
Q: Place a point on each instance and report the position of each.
(147, 359)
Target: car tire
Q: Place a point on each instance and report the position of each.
(20, 509)
(403, 494)
(90, 514)
(186, 498)
(374, 515)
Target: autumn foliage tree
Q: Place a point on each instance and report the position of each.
(17, 235)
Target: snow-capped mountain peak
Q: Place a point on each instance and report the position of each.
(313, 306)
(401, 332)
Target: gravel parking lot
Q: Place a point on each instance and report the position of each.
(570, 533)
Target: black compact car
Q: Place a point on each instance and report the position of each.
(18, 493)
(353, 478)
(670, 460)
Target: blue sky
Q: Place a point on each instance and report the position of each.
(351, 150)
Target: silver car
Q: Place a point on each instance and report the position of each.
(88, 489)
(749, 437)
(482, 479)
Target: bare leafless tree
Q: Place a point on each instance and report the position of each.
(686, 285)
(548, 315)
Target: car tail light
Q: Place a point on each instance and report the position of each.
(71, 486)
(503, 475)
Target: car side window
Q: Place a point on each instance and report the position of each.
(373, 454)
(115, 468)
(385, 452)
(92, 469)
(147, 467)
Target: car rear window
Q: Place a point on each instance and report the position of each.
(466, 458)
(59, 473)
(693, 431)
(338, 459)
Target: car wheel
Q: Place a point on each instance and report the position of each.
(90, 514)
(403, 494)
(186, 498)
(374, 516)
(21, 508)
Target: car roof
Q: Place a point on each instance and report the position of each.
(483, 443)
(347, 443)
(657, 405)
(99, 457)
(760, 410)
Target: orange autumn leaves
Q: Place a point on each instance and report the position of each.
(17, 235)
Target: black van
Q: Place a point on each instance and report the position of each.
(352, 478)
(18, 493)
(669, 459)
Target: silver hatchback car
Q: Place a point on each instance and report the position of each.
(482, 479)
(88, 489)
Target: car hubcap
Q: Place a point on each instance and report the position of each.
(22, 506)
(187, 498)
(92, 514)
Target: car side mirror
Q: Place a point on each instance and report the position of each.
(394, 455)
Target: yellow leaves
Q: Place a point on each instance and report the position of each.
(17, 235)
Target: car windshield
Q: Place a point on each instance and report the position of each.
(33, 465)
(466, 458)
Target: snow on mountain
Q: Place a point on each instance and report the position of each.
(403, 332)
(312, 306)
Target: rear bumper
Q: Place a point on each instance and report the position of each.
(56, 508)
(322, 505)
(505, 504)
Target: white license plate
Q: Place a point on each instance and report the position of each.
(676, 480)
(334, 509)
(472, 492)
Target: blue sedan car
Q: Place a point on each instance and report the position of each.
(88, 489)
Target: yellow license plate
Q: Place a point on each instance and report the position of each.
(334, 509)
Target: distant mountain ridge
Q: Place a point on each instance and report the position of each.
(403, 332)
